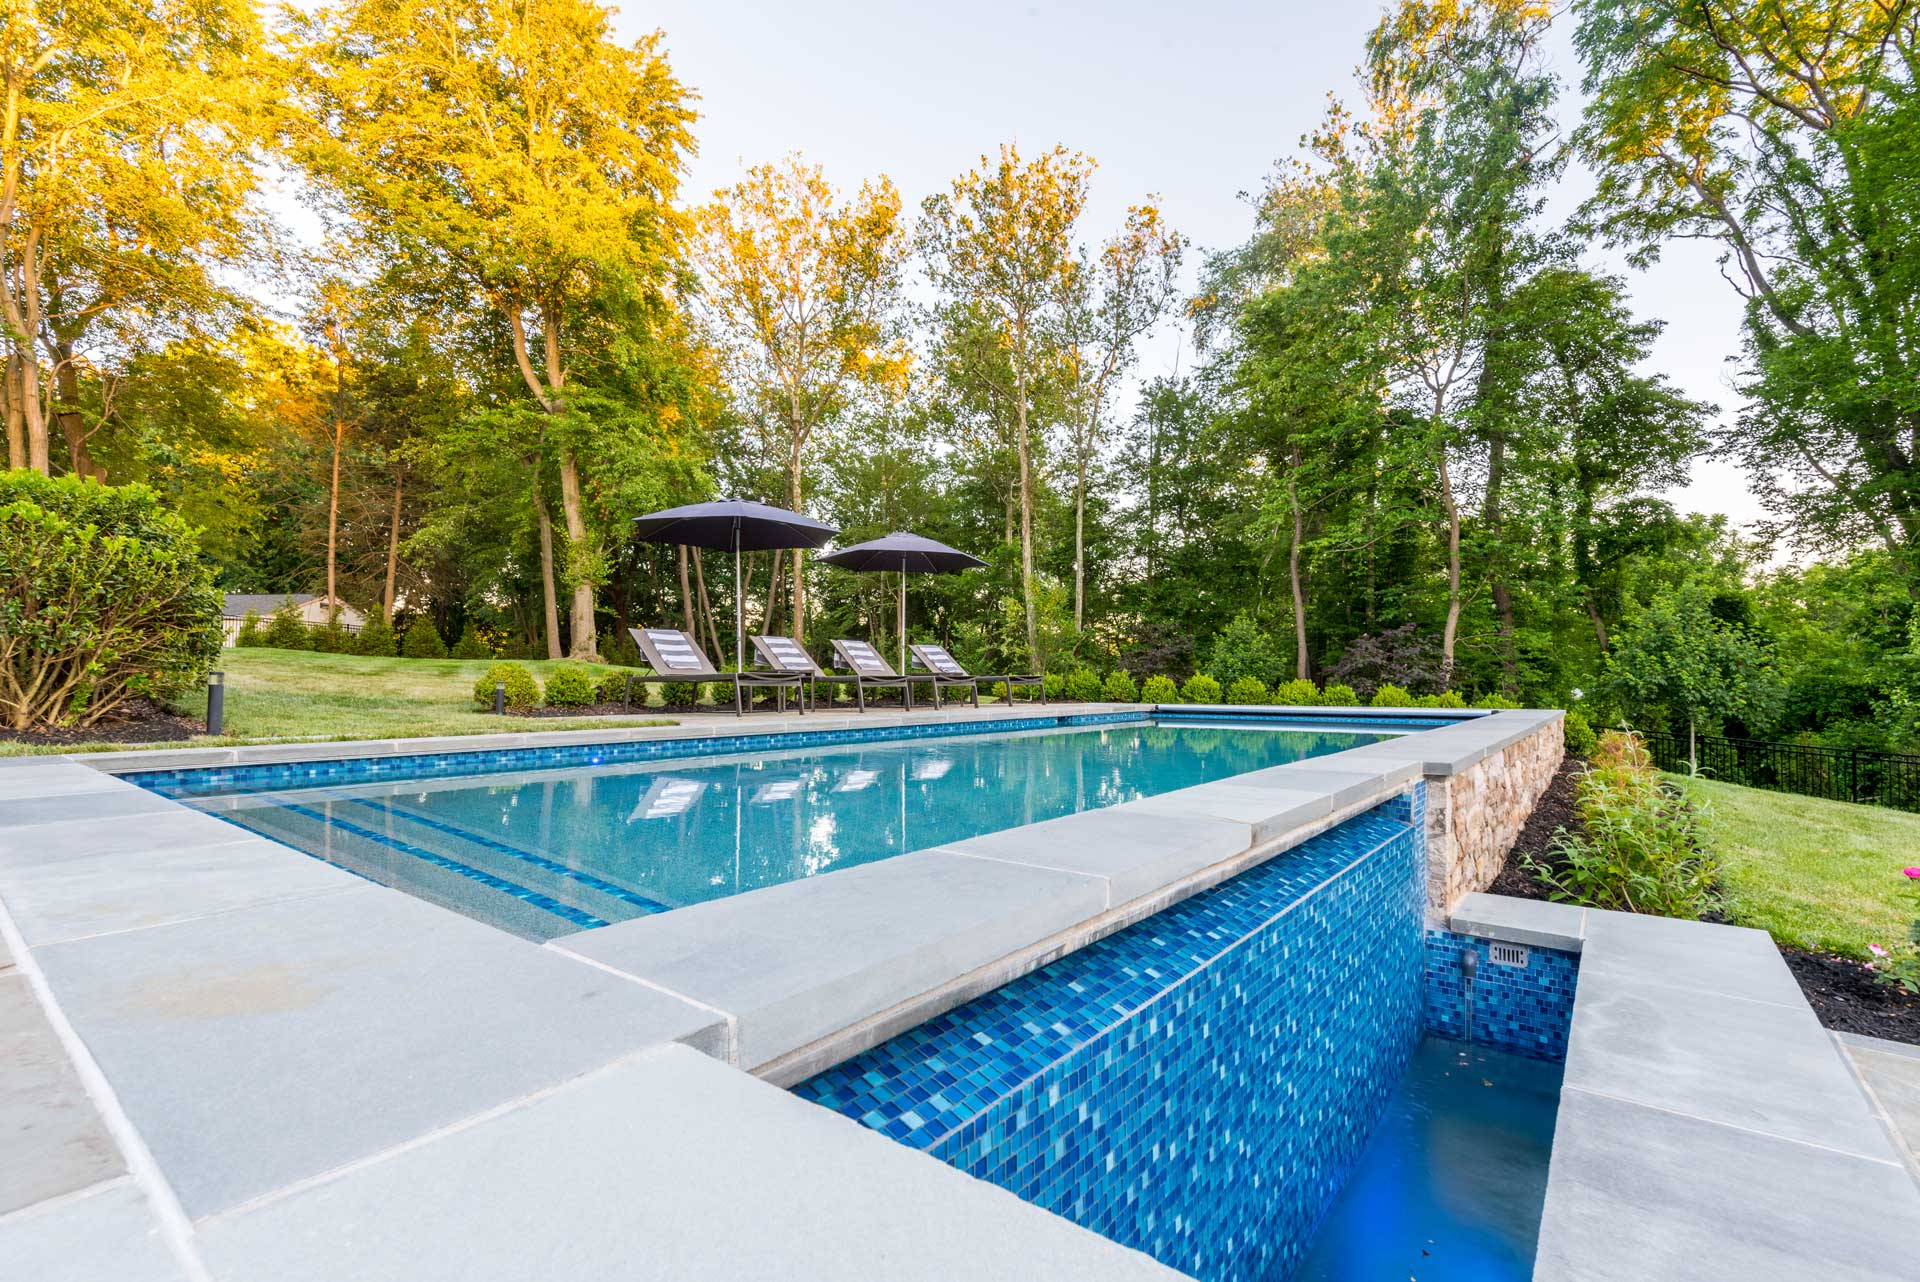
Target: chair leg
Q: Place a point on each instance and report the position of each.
(860, 694)
(738, 711)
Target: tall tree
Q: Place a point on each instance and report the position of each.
(127, 139)
(1789, 133)
(802, 291)
(1000, 246)
(1110, 301)
(523, 155)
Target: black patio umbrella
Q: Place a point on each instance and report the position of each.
(739, 524)
(906, 554)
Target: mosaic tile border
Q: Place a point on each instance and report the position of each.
(1523, 1010)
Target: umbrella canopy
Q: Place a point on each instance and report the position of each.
(904, 554)
(739, 524)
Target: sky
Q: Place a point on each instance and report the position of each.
(1193, 103)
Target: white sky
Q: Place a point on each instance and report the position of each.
(1193, 103)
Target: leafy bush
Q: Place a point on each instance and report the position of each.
(568, 687)
(1296, 693)
(1337, 695)
(1399, 656)
(1495, 701)
(1083, 686)
(1392, 696)
(1159, 690)
(376, 636)
(1644, 846)
(471, 644)
(1242, 649)
(1119, 688)
(249, 634)
(680, 694)
(523, 691)
(334, 637)
(1247, 690)
(104, 597)
(1445, 699)
(286, 630)
(423, 640)
(1899, 967)
(1578, 734)
(613, 688)
(1200, 688)
(1054, 684)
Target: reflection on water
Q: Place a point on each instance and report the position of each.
(648, 836)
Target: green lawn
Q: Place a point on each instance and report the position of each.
(1822, 875)
(279, 695)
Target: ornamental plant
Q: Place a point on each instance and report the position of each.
(471, 644)
(569, 687)
(1296, 693)
(249, 634)
(1445, 699)
(1578, 734)
(1119, 687)
(1392, 696)
(1900, 967)
(1339, 695)
(376, 638)
(523, 691)
(334, 637)
(104, 597)
(286, 630)
(1159, 690)
(423, 640)
(1083, 686)
(1200, 688)
(613, 687)
(1247, 690)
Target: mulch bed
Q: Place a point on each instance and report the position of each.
(1842, 991)
(136, 721)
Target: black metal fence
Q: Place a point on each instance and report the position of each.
(1839, 774)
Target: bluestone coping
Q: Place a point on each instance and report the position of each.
(1134, 849)
(1891, 1073)
(668, 1166)
(107, 1235)
(52, 1141)
(1536, 922)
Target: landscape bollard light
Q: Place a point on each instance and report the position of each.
(499, 698)
(216, 701)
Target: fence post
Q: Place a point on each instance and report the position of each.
(216, 701)
(1853, 771)
(499, 698)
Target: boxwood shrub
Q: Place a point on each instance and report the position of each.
(423, 640)
(1200, 688)
(1083, 686)
(569, 687)
(523, 691)
(1296, 693)
(1391, 696)
(1159, 690)
(1247, 690)
(1119, 688)
(1339, 695)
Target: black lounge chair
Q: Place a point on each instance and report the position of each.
(786, 654)
(676, 657)
(945, 670)
(868, 671)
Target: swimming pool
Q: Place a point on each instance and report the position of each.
(548, 846)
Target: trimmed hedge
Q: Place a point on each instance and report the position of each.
(523, 691)
(1159, 690)
(1391, 696)
(1578, 734)
(1200, 688)
(1339, 695)
(423, 641)
(569, 687)
(1296, 693)
(1119, 688)
(1083, 686)
(1247, 690)
(376, 639)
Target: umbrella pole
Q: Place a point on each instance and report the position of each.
(903, 618)
(739, 604)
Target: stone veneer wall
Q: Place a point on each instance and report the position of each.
(1475, 816)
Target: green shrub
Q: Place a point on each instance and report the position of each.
(471, 644)
(1495, 701)
(1339, 695)
(1445, 699)
(1296, 693)
(613, 687)
(523, 691)
(1054, 684)
(1392, 696)
(376, 636)
(1159, 690)
(1247, 690)
(1644, 848)
(1119, 688)
(1578, 734)
(680, 694)
(249, 634)
(1242, 649)
(286, 630)
(1200, 688)
(334, 637)
(104, 597)
(568, 687)
(423, 640)
(1083, 686)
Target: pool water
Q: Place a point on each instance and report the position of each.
(547, 852)
(1452, 1184)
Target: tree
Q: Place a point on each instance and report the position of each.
(1000, 247)
(526, 160)
(1109, 301)
(802, 290)
(1789, 134)
(1678, 654)
(126, 175)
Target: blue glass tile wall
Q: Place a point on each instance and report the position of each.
(1524, 1010)
(1198, 1085)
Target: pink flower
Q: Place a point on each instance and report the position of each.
(1876, 950)
(1912, 872)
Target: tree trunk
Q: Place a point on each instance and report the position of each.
(1301, 668)
(1026, 504)
(548, 597)
(1451, 632)
(1599, 626)
(15, 413)
(1502, 595)
(585, 643)
(333, 516)
(768, 619)
(799, 562)
(73, 423)
(686, 594)
(393, 546)
(706, 606)
(1080, 546)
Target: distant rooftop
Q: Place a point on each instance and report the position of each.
(238, 603)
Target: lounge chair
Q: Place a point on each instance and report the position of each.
(868, 671)
(786, 654)
(676, 657)
(945, 670)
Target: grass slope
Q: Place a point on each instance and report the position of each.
(279, 695)
(1820, 875)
